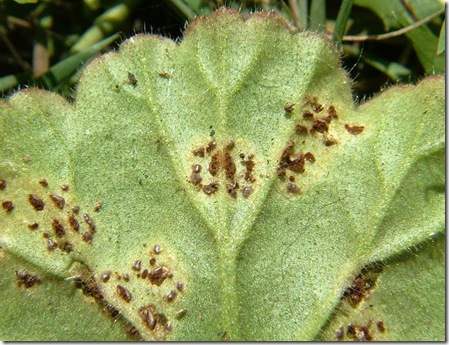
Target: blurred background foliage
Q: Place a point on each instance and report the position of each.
(45, 43)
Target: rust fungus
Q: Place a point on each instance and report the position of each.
(249, 164)
(288, 107)
(152, 261)
(97, 206)
(300, 129)
(37, 203)
(359, 333)
(26, 279)
(132, 79)
(2, 184)
(8, 205)
(58, 201)
(317, 107)
(330, 141)
(165, 75)
(73, 222)
(137, 265)
(158, 275)
(144, 274)
(293, 188)
(76, 209)
(340, 333)
(43, 182)
(149, 316)
(284, 161)
(195, 179)
(211, 145)
(360, 288)
(320, 126)
(66, 247)
(332, 112)
(87, 237)
(230, 145)
(125, 277)
(292, 178)
(196, 168)
(229, 165)
(171, 296)
(380, 326)
(157, 249)
(90, 223)
(307, 115)
(215, 163)
(124, 293)
(33, 226)
(58, 227)
(199, 152)
(210, 188)
(180, 286)
(65, 187)
(297, 163)
(354, 130)
(247, 191)
(180, 313)
(105, 276)
(308, 156)
(45, 234)
(168, 327)
(51, 245)
(232, 188)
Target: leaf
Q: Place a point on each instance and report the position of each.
(399, 14)
(164, 187)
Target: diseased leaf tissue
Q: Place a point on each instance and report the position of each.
(226, 188)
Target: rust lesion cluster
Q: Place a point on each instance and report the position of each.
(148, 270)
(64, 222)
(360, 332)
(224, 168)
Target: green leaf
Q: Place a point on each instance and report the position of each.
(442, 39)
(399, 14)
(189, 186)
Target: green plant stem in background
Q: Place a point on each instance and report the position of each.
(340, 23)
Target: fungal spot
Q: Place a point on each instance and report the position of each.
(180, 313)
(148, 316)
(144, 274)
(247, 191)
(126, 277)
(230, 145)
(211, 146)
(157, 249)
(210, 188)
(293, 188)
(288, 107)
(291, 178)
(308, 115)
(165, 75)
(97, 206)
(90, 223)
(58, 201)
(228, 165)
(66, 247)
(171, 296)
(168, 326)
(180, 286)
(360, 288)
(89, 287)
(242, 155)
(73, 222)
(124, 293)
(340, 333)
(332, 112)
(2, 184)
(58, 227)
(158, 275)
(249, 164)
(380, 326)
(320, 126)
(232, 188)
(26, 159)
(214, 164)
(37, 203)
(297, 163)
(330, 141)
(43, 182)
(27, 280)
(196, 168)
(300, 129)
(195, 179)
(308, 156)
(132, 79)
(65, 187)
(8, 205)
(199, 152)
(354, 130)
(317, 108)
(87, 237)
(152, 261)
(137, 265)
(75, 209)
(33, 226)
(359, 333)
(212, 133)
(51, 245)
(105, 276)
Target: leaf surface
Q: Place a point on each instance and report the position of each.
(223, 188)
